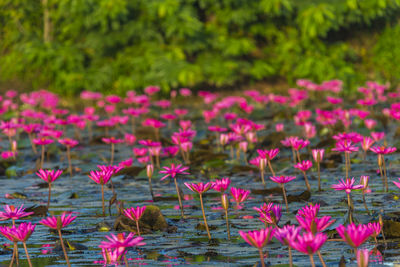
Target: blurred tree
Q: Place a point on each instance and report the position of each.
(120, 45)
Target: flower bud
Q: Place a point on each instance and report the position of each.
(225, 201)
(364, 180)
(150, 170)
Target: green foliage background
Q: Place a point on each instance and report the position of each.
(120, 45)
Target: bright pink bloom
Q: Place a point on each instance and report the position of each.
(49, 176)
(221, 185)
(310, 211)
(354, 235)
(270, 214)
(382, 150)
(367, 143)
(200, 187)
(282, 179)
(173, 171)
(60, 222)
(347, 185)
(22, 232)
(112, 140)
(309, 243)
(240, 195)
(10, 212)
(153, 123)
(68, 142)
(370, 123)
(268, 154)
(120, 241)
(318, 154)
(378, 136)
(279, 127)
(130, 139)
(304, 166)
(135, 213)
(314, 224)
(362, 257)
(42, 141)
(151, 90)
(345, 146)
(376, 228)
(287, 233)
(101, 177)
(397, 183)
(258, 239)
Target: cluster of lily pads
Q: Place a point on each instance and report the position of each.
(310, 129)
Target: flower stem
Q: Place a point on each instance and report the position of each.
(102, 200)
(321, 259)
(262, 177)
(204, 217)
(312, 260)
(63, 248)
(227, 224)
(365, 203)
(137, 227)
(112, 154)
(284, 197)
(179, 197)
(385, 173)
(42, 158)
(69, 161)
(270, 167)
(151, 189)
(27, 254)
(350, 210)
(319, 176)
(261, 257)
(290, 257)
(48, 199)
(306, 180)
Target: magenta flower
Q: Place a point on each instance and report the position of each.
(68, 142)
(120, 241)
(42, 141)
(314, 225)
(221, 185)
(49, 176)
(285, 235)
(308, 243)
(376, 228)
(362, 257)
(22, 232)
(318, 154)
(173, 171)
(347, 185)
(383, 150)
(57, 223)
(258, 239)
(310, 211)
(282, 179)
(10, 212)
(135, 213)
(304, 166)
(354, 235)
(200, 187)
(240, 195)
(268, 154)
(101, 177)
(397, 183)
(367, 143)
(272, 216)
(345, 146)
